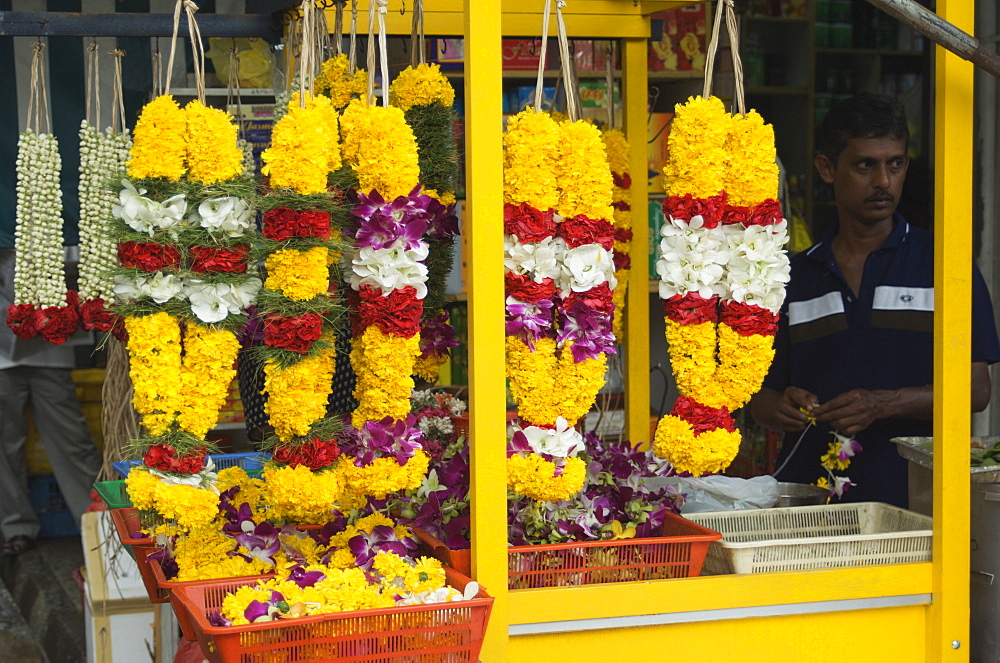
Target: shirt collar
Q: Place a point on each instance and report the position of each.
(822, 251)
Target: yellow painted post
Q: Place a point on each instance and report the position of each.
(948, 632)
(484, 225)
(636, 93)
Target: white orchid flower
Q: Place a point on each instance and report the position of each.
(586, 267)
(391, 268)
(229, 215)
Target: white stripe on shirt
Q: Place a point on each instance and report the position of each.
(903, 298)
(813, 309)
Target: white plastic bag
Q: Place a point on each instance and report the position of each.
(719, 493)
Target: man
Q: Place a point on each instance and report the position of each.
(854, 348)
(35, 376)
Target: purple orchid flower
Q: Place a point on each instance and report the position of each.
(382, 538)
(381, 439)
(529, 321)
(436, 337)
(215, 618)
(303, 578)
(168, 564)
(253, 331)
(239, 521)
(380, 224)
(589, 330)
(262, 543)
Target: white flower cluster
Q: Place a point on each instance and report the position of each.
(102, 155)
(744, 264)
(392, 268)
(225, 216)
(210, 302)
(573, 270)
(39, 276)
(561, 441)
(249, 163)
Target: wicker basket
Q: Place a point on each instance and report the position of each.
(677, 553)
(437, 633)
(815, 537)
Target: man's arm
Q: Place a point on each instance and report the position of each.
(856, 410)
(781, 410)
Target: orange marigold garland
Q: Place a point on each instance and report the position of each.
(722, 271)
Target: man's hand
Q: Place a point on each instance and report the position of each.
(788, 411)
(854, 410)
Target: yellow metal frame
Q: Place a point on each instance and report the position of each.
(882, 611)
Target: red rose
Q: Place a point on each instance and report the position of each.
(748, 319)
(687, 207)
(736, 214)
(163, 457)
(580, 230)
(702, 417)
(57, 323)
(148, 256)
(21, 320)
(314, 454)
(622, 261)
(283, 223)
(622, 181)
(524, 288)
(94, 315)
(219, 259)
(596, 299)
(623, 235)
(691, 309)
(766, 213)
(397, 313)
(528, 223)
(296, 333)
(621, 206)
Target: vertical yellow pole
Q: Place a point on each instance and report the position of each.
(636, 95)
(949, 613)
(484, 225)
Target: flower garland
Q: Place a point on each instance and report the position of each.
(42, 306)
(336, 81)
(559, 283)
(722, 271)
(838, 458)
(102, 156)
(389, 283)
(304, 146)
(621, 199)
(426, 97)
(182, 286)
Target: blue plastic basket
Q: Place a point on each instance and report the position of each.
(248, 461)
(50, 506)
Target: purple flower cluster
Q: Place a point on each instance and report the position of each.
(437, 335)
(382, 538)
(381, 439)
(380, 224)
(529, 321)
(589, 329)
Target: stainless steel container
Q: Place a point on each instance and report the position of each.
(800, 494)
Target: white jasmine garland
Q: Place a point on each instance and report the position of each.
(39, 276)
(392, 268)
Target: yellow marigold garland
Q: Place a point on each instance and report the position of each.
(577, 383)
(384, 475)
(212, 154)
(384, 366)
(422, 85)
(582, 172)
(304, 148)
(692, 355)
(533, 477)
(158, 141)
(208, 370)
(299, 495)
(298, 275)
(379, 145)
(618, 299)
(428, 367)
(154, 345)
(698, 157)
(753, 173)
(743, 365)
(336, 82)
(532, 379)
(188, 506)
(297, 394)
(709, 452)
(203, 554)
(531, 151)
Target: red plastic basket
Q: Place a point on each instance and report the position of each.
(678, 552)
(127, 524)
(183, 616)
(438, 633)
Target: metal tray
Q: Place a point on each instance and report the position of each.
(919, 451)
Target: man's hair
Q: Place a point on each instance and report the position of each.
(864, 116)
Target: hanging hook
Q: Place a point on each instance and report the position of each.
(402, 10)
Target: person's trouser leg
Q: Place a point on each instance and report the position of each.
(63, 430)
(17, 518)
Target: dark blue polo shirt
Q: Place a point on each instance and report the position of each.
(830, 341)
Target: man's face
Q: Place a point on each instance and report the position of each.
(867, 178)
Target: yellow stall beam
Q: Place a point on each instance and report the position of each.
(948, 632)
